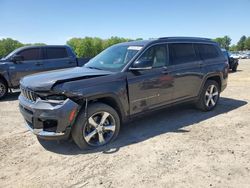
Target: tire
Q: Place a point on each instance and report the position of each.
(86, 132)
(234, 69)
(208, 95)
(3, 89)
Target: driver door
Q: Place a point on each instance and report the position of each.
(145, 85)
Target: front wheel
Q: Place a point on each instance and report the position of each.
(100, 127)
(209, 96)
(3, 89)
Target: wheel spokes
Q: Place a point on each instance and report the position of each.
(101, 138)
(105, 115)
(211, 96)
(99, 129)
(215, 93)
(212, 101)
(90, 135)
(211, 89)
(109, 128)
(207, 103)
(92, 122)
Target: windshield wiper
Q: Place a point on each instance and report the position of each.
(93, 68)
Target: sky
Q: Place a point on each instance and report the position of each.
(56, 21)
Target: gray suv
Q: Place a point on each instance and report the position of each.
(129, 79)
(32, 59)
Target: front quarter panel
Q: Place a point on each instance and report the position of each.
(113, 86)
(4, 72)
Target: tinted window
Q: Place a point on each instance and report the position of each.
(55, 53)
(156, 54)
(30, 54)
(207, 51)
(182, 53)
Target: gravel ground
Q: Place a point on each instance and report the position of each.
(176, 147)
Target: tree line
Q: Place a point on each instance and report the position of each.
(91, 46)
(242, 44)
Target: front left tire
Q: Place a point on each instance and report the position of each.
(99, 128)
(3, 89)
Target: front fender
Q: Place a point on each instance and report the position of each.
(113, 87)
(4, 74)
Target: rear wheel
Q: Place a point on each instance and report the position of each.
(234, 69)
(100, 127)
(3, 88)
(209, 96)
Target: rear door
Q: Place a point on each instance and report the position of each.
(57, 58)
(186, 68)
(32, 63)
(210, 55)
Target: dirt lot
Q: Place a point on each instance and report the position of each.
(177, 147)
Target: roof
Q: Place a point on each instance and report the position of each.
(41, 46)
(167, 39)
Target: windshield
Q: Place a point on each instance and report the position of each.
(113, 58)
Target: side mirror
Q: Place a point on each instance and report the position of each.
(17, 58)
(141, 65)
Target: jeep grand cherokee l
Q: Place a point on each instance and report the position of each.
(90, 103)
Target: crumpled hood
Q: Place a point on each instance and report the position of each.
(45, 81)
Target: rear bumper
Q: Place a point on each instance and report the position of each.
(48, 120)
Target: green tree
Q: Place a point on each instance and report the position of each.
(89, 47)
(247, 44)
(8, 45)
(241, 43)
(224, 42)
(233, 48)
(75, 44)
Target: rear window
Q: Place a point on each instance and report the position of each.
(182, 53)
(207, 51)
(56, 53)
(30, 54)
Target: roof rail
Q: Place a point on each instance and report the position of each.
(184, 38)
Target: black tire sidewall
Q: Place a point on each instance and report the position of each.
(6, 86)
(234, 69)
(202, 101)
(81, 120)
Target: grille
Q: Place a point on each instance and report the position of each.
(30, 95)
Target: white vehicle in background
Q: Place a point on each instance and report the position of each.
(248, 55)
(243, 55)
(235, 55)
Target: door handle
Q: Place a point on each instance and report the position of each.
(71, 62)
(39, 64)
(201, 64)
(165, 70)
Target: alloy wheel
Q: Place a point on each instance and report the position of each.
(211, 96)
(99, 129)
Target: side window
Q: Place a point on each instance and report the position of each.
(56, 53)
(182, 53)
(30, 54)
(157, 55)
(208, 51)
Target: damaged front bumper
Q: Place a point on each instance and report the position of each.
(48, 119)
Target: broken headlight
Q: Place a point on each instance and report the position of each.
(55, 97)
